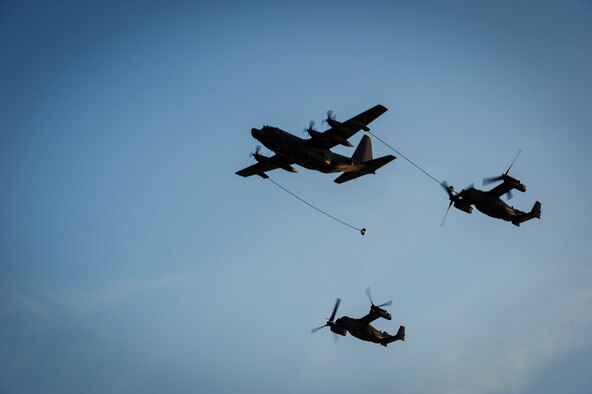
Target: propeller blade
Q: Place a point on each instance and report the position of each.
(317, 329)
(330, 115)
(389, 302)
(311, 125)
(337, 302)
(471, 186)
(487, 181)
(335, 337)
(449, 189)
(493, 179)
(257, 150)
(446, 215)
(369, 295)
(452, 196)
(513, 161)
(509, 195)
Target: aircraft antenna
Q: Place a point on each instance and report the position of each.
(361, 230)
(404, 157)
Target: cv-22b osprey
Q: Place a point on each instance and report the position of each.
(361, 328)
(489, 202)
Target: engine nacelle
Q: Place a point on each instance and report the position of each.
(380, 312)
(337, 139)
(334, 123)
(463, 207)
(339, 330)
(340, 140)
(516, 184)
(288, 168)
(314, 133)
(260, 158)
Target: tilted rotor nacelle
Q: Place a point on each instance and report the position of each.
(516, 184)
(337, 329)
(463, 206)
(380, 312)
(460, 202)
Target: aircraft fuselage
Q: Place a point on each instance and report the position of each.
(490, 205)
(362, 330)
(301, 152)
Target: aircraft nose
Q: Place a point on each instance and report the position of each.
(256, 133)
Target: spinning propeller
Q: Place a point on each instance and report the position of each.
(330, 320)
(453, 196)
(330, 116)
(369, 295)
(489, 180)
(256, 154)
(310, 130)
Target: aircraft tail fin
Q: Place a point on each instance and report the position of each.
(535, 212)
(399, 336)
(363, 151)
(370, 167)
(363, 155)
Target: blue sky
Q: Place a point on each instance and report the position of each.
(133, 259)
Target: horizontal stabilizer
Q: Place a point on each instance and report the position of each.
(400, 336)
(370, 167)
(534, 213)
(248, 172)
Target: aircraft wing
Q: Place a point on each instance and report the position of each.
(260, 168)
(348, 128)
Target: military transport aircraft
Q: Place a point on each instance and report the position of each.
(489, 202)
(361, 328)
(315, 153)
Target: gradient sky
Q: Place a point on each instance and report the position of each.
(134, 260)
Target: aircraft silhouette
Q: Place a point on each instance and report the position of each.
(361, 328)
(490, 202)
(315, 153)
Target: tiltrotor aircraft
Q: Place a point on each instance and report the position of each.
(490, 202)
(361, 328)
